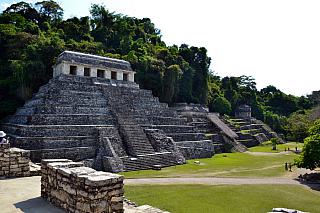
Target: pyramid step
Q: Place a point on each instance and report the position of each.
(52, 142)
(74, 153)
(53, 130)
(187, 136)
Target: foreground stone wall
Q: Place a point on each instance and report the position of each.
(14, 162)
(80, 189)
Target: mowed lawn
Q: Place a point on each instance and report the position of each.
(229, 199)
(267, 147)
(224, 165)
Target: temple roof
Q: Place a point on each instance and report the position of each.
(95, 60)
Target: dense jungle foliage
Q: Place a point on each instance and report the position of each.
(32, 36)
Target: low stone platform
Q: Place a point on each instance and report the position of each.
(14, 162)
(80, 189)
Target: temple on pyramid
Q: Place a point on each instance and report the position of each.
(93, 111)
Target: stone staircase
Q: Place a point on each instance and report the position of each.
(149, 113)
(129, 110)
(134, 136)
(149, 161)
(252, 132)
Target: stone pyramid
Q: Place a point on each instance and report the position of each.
(93, 111)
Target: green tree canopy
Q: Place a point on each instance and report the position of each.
(310, 156)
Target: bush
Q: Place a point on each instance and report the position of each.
(310, 156)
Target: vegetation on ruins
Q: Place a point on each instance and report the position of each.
(32, 36)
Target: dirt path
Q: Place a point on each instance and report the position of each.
(268, 153)
(211, 181)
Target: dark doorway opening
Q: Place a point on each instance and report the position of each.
(113, 75)
(100, 73)
(86, 71)
(125, 76)
(73, 70)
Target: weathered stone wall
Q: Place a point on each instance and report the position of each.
(194, 149)
(14, 162)
(80, 189)
(161, 143)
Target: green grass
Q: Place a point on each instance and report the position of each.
(233, 165)
(223, 198)
(267, 147)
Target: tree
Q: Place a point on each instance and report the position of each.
(315, 97)
(24, 9)
(298, 125)
(170, 79)
(274, 142)
(50, 11)
(185, 84)
(220, 105)
(310, 156)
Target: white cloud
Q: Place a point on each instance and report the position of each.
(5, 5)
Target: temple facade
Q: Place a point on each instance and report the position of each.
(81, 64)
(243, 111)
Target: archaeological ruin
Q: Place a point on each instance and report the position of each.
(250, 131)
(76, 188)
(93, 111)
(103, 119)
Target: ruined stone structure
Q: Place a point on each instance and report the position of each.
(110, 123)
(243, 111)
(14, 162)
(74, 63)
(223, 138)
(80, 189)
(251, 132)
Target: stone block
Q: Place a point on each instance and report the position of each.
(81, 189)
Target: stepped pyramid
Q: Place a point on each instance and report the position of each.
(251, 131)
(93, 111)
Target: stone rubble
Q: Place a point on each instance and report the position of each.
(131, 207)
(14, 162)
(80, 189)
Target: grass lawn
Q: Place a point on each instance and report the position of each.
(267, 147)
(224, 165)
(220, 199)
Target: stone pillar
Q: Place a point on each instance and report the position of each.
(108, 74)
(119, 75)
(131, 77)
(65, 68)
(93, 72)
(80, 70)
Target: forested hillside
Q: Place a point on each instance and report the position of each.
(32, 36)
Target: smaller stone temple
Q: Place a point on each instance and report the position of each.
(81, 64)
(243, 111)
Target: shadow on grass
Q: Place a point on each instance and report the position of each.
(311, 180)
(37, 205)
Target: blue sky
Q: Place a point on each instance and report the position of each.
(275, 41)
